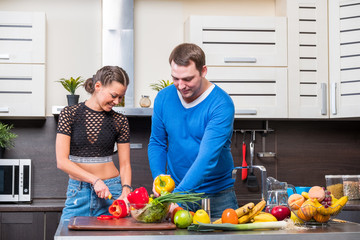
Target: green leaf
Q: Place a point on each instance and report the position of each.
(71, 84)
(160, 85)
(6, 136)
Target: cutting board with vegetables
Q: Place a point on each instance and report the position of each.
(127, 223)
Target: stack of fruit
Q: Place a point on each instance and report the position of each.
(251, 213)
(318, 205)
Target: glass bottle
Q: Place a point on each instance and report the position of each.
(145, 101)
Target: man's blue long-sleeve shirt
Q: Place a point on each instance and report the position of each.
(193, 143)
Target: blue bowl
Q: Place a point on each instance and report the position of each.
(299, 190)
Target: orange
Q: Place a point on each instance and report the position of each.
(229, 216)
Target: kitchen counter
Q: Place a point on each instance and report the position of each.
(38, 205)
(344, 231)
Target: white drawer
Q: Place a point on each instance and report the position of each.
(22, 90)
(256, 92)
(239, 41)
(22, 37)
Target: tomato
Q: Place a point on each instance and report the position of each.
(174, 212)
(182, 219)
(201, 216)
(229, 216)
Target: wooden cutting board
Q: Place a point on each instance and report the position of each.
(128, 223)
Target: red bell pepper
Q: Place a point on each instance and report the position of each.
(105, 217)
(138, 198)
(118, 209)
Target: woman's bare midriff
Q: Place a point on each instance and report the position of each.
(101, 170)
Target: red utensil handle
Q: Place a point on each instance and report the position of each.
(244, 171)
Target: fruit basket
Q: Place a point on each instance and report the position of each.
(151, 213)
(311, 211)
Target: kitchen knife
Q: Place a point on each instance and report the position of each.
(252, 182)
(110, 197)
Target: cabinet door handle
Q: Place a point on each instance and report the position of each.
(245, 112)
(239, 60)
(4, 56)
(324, 99)
(4, 109)
(333, 99)
(13, 182)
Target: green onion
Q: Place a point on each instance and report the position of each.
(179, 197)
(238, 227)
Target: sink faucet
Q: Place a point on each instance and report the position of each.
(263, 178)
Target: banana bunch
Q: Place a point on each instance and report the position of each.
(254, 212)
(251, 213)
(335, 208)
(264, 217)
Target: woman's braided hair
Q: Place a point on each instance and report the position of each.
(106, 75)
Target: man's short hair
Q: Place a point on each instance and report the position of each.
(186, 52)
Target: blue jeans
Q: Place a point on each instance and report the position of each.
(81, 199)
(218, 202)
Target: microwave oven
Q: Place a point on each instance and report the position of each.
(15, 180)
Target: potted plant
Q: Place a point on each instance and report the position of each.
(160, 85)
(71, 85)
(6, 138)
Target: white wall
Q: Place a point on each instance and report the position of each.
(74, 36)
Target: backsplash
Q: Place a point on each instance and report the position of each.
(306, 151)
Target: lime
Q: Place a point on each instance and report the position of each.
(201, 216)
(182, 218)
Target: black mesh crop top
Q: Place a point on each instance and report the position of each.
(93, 133)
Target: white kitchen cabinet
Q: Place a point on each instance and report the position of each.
(22, 90)
(22, 64)
(247, 57)
(308, 59)
(324, 67)
(22, 37)
(257, 92)
(239, 41)
(344, 64)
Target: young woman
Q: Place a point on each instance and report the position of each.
(85, 140)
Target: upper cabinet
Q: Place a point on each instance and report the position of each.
(22, 37)
(22, 64)
(344, 64)
(239, 41)
(308, 59)
(247, 57)
(324, 58)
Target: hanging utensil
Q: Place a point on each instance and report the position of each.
(252, 182)
(244, 170)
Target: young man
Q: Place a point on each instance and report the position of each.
(191, 131)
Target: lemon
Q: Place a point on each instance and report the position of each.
(296, 219)
(201, 216)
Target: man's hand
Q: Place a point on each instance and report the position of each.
(156, 194)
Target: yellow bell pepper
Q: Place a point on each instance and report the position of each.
(164, 184)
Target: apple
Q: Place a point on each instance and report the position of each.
(281, 212)
(267, 209)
